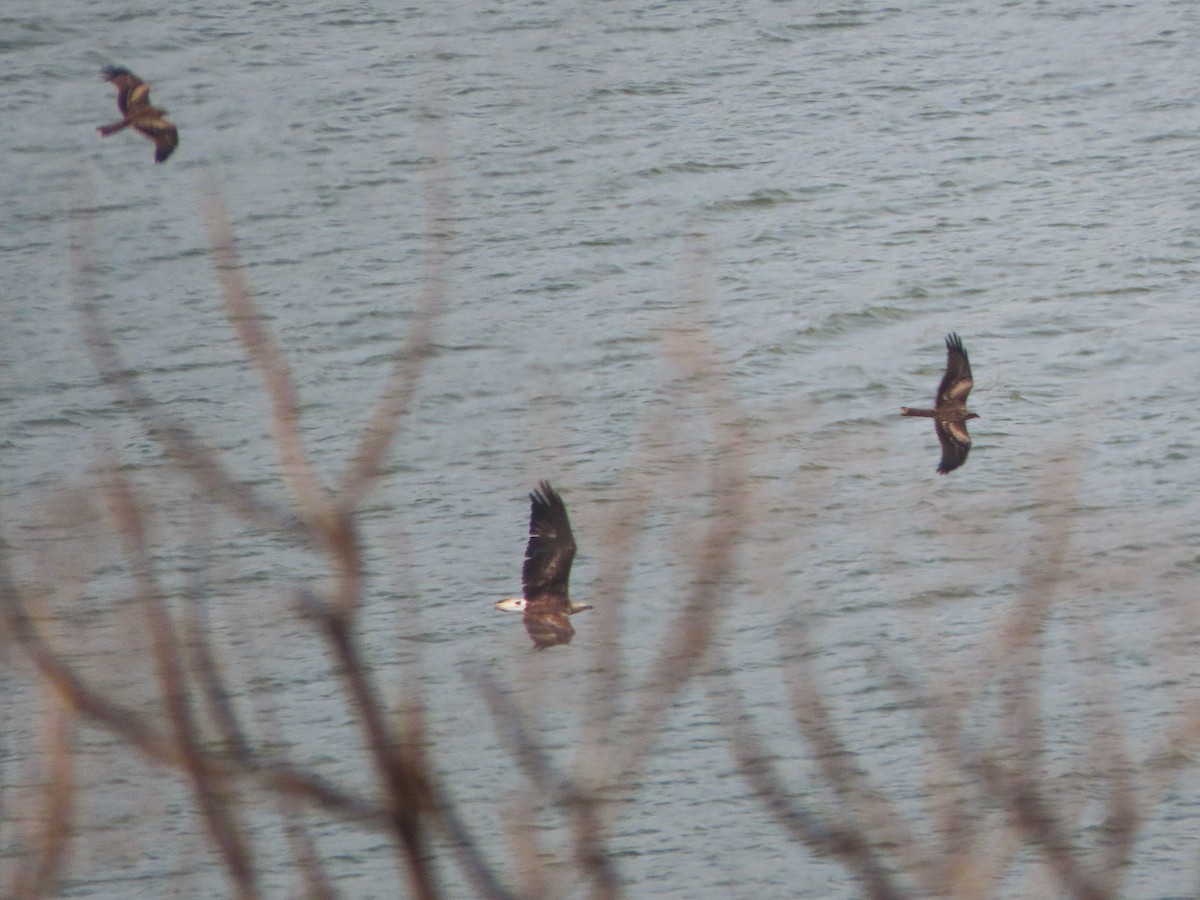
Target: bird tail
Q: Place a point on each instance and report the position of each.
(106, 130)
(927, 413)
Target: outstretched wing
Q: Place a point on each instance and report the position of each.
(550, 551)
(162, 132)
(955, 441)
(957, 382)
(132, 92)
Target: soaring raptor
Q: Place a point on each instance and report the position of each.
(133, 99)
(547, 571)
(950, 413)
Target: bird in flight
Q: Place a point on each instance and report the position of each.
(547, 570)
(133, 99)
(950, 413)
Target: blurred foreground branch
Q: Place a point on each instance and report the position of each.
(989, 812)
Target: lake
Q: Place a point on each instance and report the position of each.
(658, 221)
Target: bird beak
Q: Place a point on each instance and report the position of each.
(512, 604)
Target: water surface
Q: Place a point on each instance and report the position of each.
(820, 192)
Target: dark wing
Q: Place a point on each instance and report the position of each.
(547, 623)
(551, 549)
(956, 383)
(127, 83)
(956, 444)
(162, 132)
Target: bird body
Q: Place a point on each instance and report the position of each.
(950, 413)
(547, 572)
(133, 99)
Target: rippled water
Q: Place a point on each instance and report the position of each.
(823, 191)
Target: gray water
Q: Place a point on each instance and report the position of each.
(820, 191)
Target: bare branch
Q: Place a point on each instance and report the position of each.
(591, 851)
(838, 764)
(202, 654)
(480, 873)
(308, 860)
(209, 790)
(693, 629)
(381, 430)
(178, 440)
(1110, 760)
(612, 676)
(268, 358)
(973, 854)
(398, 762)
(43, 868)
(135, 728)
(840, 841)
(1016, 785)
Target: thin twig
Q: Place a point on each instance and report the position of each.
(268, 358)
(45, 866)
(135, 728)
(380, 432)
(317, 885)
(692, 632)
(840, 841)
(591, 852)
(211, 793)
(837, 761)
(399, 763)
(203, 655)
(481, 874)
(178, 440)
